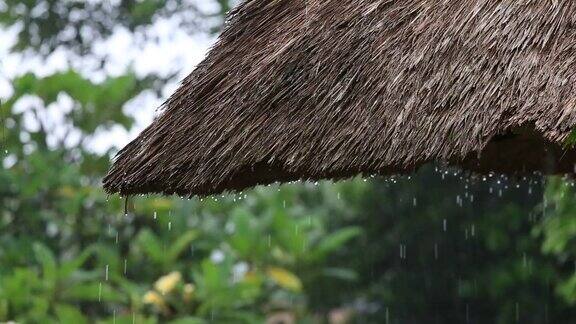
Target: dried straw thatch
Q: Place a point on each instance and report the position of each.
(311, 89)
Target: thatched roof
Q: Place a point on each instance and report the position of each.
(313, 89)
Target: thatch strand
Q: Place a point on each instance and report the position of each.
(312, 89)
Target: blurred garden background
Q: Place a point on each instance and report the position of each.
(78, 79)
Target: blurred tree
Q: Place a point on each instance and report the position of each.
(45, 25)
(558, 230)
(440, 246)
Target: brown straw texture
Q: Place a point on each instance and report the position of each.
(317, 89)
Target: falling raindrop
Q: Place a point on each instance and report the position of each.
(387, 315)
(155, 215)
(99, 291)
(169, 226)
(414, 202)
(524, 260)
(402, 251)
(125, 266)
(445, 224)
(106, 275)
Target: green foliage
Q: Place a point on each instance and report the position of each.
(46, 290)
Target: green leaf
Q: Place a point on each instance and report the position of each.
(180, 245)
(245, 236)
(47, 261)
(69, 314)
(69, 267)
(334, 241)
(340, 273)
(150, 244)
(188, 320)
(93, 291)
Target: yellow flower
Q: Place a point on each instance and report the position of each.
(188, 292)
(251, 277)
(284, 278)
(167, 283)
(153, 298)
